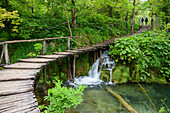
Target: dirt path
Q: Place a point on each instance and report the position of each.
(111, 41)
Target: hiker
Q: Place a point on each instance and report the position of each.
(146, 20)
(142, 20)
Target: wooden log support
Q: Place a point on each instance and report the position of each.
(2, 54)
(44, 47)
(97, 55)
(94, 56)
(6, 54)
(74, 67)
(100, 63)
(44, 80)
(68, 69)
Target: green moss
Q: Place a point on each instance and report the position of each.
(121, 74)
(104, 75)
(155, 79)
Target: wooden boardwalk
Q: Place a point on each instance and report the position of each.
(17, 80)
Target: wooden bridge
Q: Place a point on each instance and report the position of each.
(17, 80)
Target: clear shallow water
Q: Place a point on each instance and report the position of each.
(98, 100)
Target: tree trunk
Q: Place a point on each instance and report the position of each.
(152, 22)
(32, 6)
(73, 15)
(127, 23)
(133, 19)
(111, 11)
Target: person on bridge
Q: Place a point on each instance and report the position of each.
(146, 21)
(142, 20)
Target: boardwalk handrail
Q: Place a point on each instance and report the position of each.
(5, 46)
(33, 40)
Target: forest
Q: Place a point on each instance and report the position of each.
(143, 58)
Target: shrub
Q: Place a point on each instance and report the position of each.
(62, 98)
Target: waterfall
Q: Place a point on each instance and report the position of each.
(94, 74)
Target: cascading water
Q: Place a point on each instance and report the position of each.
(94, 74)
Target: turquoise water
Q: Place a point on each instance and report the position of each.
(98, 100)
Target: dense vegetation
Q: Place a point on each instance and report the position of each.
(94, 21)
(145, 57)
(61, 98)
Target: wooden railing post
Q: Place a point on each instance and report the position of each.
(100, 63)
(44, 80)
(2, 54)
(6, 54)
(44, 47)
(68, 61)
(69, 69)
(44, 70)
(68, 43)
(74, 67)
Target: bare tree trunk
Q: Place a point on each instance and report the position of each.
(32, 6)
(152, 22)
(68, 43)
(73, 15)
(133, 19)
(127, 23)
(111, 11)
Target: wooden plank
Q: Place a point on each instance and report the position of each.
(30, 110)
(52, 56)
(100, 46)
(15, 87)
(16, 83)
(27, 110)
(17, 107)
(11, 104)
(15, 97)
(75, 51)
(63, 53)
(17, 74)
(87, 49)
(22, 65)
(36, 110)
(15, 90)
(36, 60)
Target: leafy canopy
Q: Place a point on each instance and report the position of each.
(10, 16)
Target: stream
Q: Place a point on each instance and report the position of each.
(96, 98)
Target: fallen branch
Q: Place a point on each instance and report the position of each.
(76, 42)
(147, 96)
(122, 101)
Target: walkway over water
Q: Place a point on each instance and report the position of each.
(17, 80)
